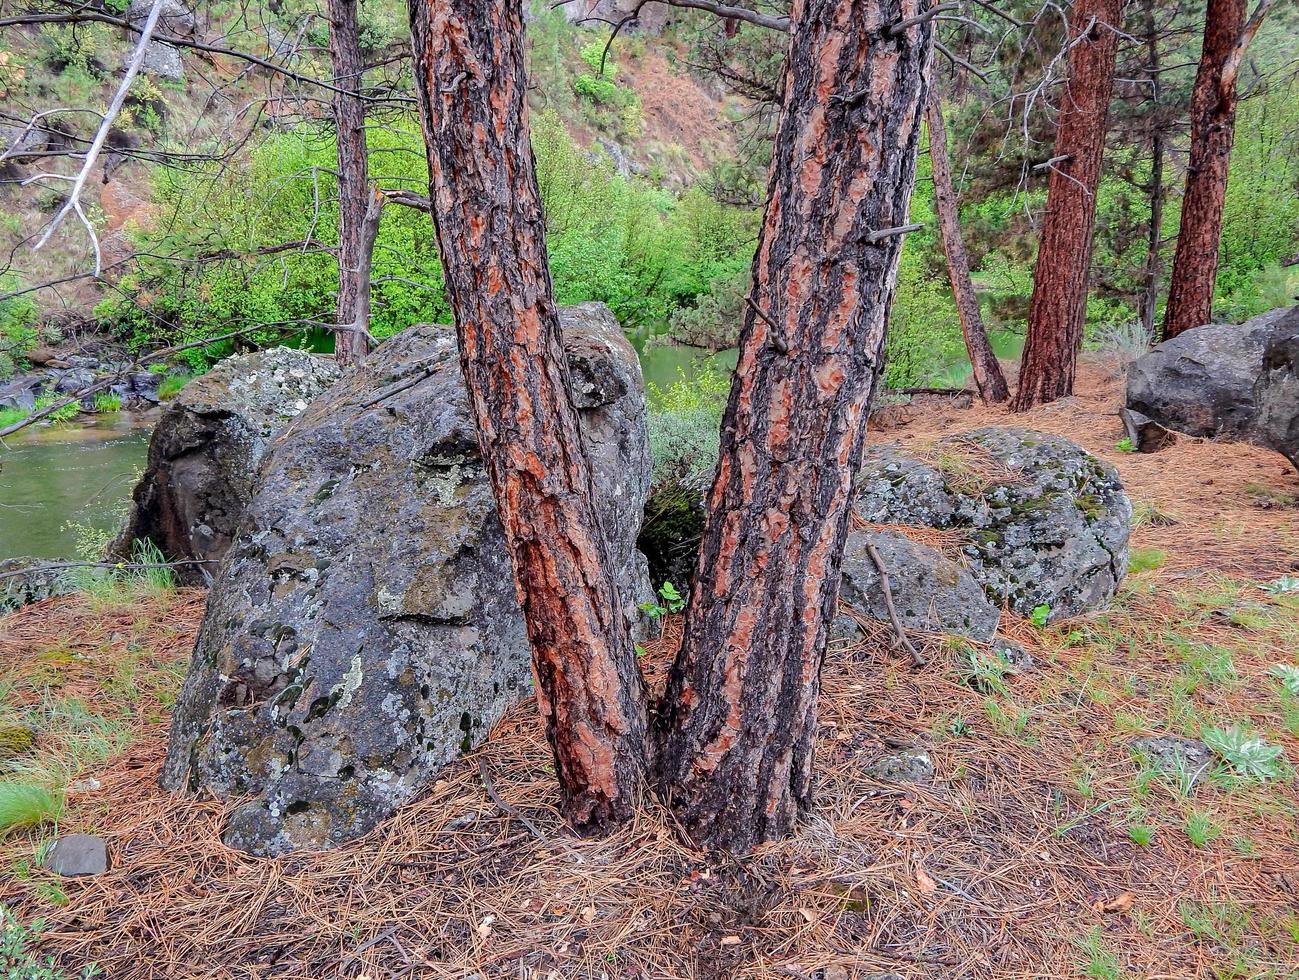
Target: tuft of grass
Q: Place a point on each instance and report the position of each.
(1147, 514)
(1145, 559)
(107, 401)
(171, 385)
(1270, 496)
(1141, 834)
(25, 804)
(1200, 828)
(1100, 962)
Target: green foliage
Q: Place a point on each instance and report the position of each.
(19, 962)
(170, 386)
(1249, 755)
(1200, 828)
(1288, 675)
(64, 413)
(684, 425)
(18, 333)
(1125, 445)
(669, 601)
(107, 401)
(1260, 223)
(1040, 615)
(714, 322)
(641, 250)
(1146, 559)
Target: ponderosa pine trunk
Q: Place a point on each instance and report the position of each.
(1213, 129)
(988, 379)
(1058, 309)
(353, 178)
(737, 726)
(1155, 189)
(472, 91)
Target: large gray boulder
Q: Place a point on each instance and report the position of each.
(1230, 381)
(1277, 394)
(364, 628)
(1044, 523)
(204, 453)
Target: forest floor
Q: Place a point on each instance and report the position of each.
(1043, 847)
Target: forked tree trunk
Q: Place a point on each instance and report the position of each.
(353, 178)
(988, 378)
(738, 722)
(1213, 129)
(469, 71)
(1058, 308)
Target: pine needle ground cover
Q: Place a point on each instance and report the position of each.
(1046, 845)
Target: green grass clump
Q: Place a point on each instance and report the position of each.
(1146, 559)
(107, 401)
(25, 804)
(170, 386)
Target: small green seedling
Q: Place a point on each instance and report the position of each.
(1288, 675)
(1281, 586)
(1040, 615)
(1246, 753)
(669, 601)
(1125, 445)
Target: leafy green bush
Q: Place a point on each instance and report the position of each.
(18, 333)
(639, 249)
(684, 425)
(18, 962)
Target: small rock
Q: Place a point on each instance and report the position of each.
(1145, 434)
(906, 766)
(1175, 756)
(77, 854)
(1019, 659)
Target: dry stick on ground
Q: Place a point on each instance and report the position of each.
(73, 203)
(513, 812)
(904, 641)
(117, 566)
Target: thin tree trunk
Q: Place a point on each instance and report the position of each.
(353, 174)
(1058, 308)
(469, 71)
(1213, 127)
(737, 725)
(1155, 190)
(988, 379)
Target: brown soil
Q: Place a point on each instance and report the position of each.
(1018, 861)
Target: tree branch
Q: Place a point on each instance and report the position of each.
(1232, 66)
(73, 203)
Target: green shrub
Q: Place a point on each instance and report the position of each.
(65, 413)
(18, 333)
(170, 386)
(714, 322)
(684, 427)
(18, 962)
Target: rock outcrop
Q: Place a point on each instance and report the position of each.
(364, 628)
(1042, 523)
(204, 453)
(1229, 381)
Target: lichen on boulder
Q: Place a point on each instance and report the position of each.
(364, 628)
(1043, 522)
(205, 450)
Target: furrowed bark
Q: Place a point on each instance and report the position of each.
(737, 725)
(1155, 190)
(353, 176)
(469, 69)
(988, 379)
(1213, 128)
(1058, 308)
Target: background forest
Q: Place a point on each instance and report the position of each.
(651, 157)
